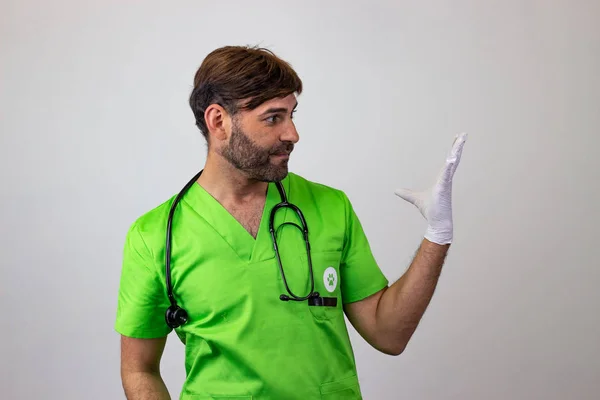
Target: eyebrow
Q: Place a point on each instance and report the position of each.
(275, 110)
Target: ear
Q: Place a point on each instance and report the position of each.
(217, 122)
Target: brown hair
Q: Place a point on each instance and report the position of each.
(234, 73)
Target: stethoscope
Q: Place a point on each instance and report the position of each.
(176, 316)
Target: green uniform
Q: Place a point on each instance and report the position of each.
(242, 341)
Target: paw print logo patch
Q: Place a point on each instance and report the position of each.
(330, 279)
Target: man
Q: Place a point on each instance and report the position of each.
(259, 301)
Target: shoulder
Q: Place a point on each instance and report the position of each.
(300, 185)
(312, 193)
(150, 227)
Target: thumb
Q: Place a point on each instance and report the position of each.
(407, 194)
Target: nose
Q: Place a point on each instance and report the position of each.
(290, 134)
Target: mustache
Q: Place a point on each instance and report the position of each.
(286, 148)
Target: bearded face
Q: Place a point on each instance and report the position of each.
(267, 164)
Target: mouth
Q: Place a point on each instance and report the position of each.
(283, 153)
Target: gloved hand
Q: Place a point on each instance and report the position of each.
(435, 203)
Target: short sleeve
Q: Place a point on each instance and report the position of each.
(142, 301)
(360, 273)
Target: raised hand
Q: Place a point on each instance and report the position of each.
(435, 203)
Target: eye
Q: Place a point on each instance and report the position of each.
(272, 119)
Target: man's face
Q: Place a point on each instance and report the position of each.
(262, 139)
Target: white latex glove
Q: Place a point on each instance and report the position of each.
(435, 203)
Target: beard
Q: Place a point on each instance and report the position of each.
(255, 161)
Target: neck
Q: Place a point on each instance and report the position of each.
(228, 184)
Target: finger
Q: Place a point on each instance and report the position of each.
(407, 194)
(453, 159)
(446, 173)
(457, 146)
(459, 149)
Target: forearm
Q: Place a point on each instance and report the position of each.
(399, 308)
(403, 304)
(145, 386)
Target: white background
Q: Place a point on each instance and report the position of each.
(96, 129)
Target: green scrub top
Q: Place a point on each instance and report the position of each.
(241, 340)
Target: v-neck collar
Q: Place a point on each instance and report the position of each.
(224, 224)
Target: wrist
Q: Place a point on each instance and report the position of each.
(439, 235)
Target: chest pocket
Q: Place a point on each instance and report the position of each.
(326, 271)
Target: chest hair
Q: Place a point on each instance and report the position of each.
(248, 215)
